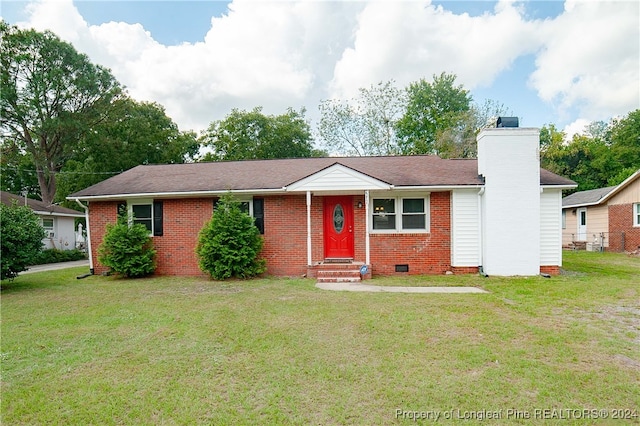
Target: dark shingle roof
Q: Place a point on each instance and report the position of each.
(8, 198)
(276, 174)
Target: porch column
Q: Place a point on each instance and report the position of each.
(309, 228)
(366, 224)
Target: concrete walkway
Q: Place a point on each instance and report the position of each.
(56, 266)
(380, 289)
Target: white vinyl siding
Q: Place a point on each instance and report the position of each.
(551, 227)
(465, 228)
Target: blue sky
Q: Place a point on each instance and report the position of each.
(546, 61)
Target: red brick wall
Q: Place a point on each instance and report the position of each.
(424, 253)
(182, 221)
(621, 220)
(285, 238)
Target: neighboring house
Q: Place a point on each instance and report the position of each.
(386, 215)
(58, 222)
(607, 218)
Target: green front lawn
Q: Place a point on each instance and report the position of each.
(275, 351)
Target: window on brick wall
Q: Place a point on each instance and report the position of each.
(400, 214)
(636, 214)
(145, 212)
(254, 208)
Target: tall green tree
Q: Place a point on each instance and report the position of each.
(248, 135)
(604, 155)
(50, 95)
(131, 134)
(625, 145)
(459, 141)
(432, 108)
(364, 125)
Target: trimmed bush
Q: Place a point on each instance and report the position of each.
(57, 255)
(128, 250)
(229, 244)
(21, 239)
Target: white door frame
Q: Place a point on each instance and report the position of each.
(582, 225)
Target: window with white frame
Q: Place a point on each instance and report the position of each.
(145, 212)
(400, 214)
(48, 225)
(636, 214)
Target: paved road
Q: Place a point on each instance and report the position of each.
(56, 266)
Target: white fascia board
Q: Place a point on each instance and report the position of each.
(337, 178)
(46, 213)
(169, 195)
(560, 187)
(436, 187)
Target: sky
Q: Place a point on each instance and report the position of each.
(548, 62)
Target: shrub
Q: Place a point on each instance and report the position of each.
(21, 236)
(128, 250)
(229, 244)
(57, 255)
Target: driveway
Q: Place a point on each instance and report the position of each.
(55, 266)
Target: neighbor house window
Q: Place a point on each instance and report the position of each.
(47, 224)
(636, 214)
(564, 219)
(400, 214)
(145, 212)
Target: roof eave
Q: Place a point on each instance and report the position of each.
(184, 194)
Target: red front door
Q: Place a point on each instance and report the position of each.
(338, 227)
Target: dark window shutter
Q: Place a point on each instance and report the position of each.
(215, 203)
(157, 218)
(258, 213)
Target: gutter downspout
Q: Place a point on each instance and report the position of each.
(86, 216)
(480, 234)
(309, 255)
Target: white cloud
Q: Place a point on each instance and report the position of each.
(280, 54)
(590, 59)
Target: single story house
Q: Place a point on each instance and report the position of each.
(58, 222)
(499, 214)
(604, 218)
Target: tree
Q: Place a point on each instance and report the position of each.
(131, 134)
(50, 95)
(248, 135)
(21, 239)
(128, 249)
(229, 244)
(625, 145)
(459, 141)
(366, 124)
(432, 108)
(604, 155)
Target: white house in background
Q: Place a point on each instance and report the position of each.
(58, 222)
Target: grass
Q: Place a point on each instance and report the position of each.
(274, 351)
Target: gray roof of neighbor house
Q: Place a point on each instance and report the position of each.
(257, 175)
(592, 196)
(37, 206)
(596, 196)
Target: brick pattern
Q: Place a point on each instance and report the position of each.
(285, 238)
(424, 253)
(550, 269)
(621, 221)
